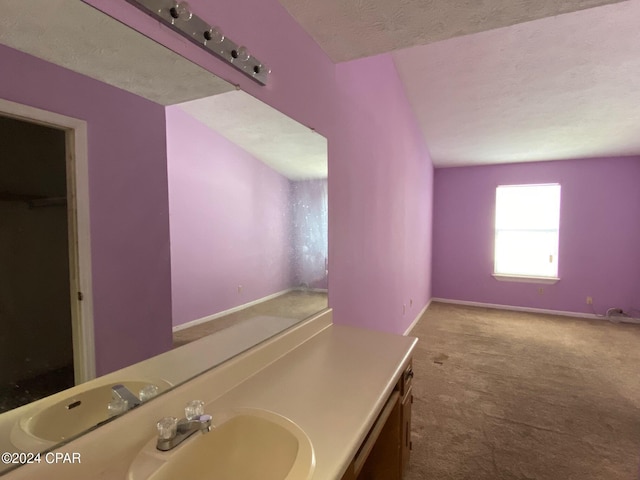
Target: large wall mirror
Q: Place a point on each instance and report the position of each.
(154, 220)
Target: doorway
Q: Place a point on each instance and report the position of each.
(46, 343)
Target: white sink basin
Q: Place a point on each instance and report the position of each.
(250, 445)
(53, 422)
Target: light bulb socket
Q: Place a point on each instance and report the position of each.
(214, 34)
(241, 54)
(181, 11)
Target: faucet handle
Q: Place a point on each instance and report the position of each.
(194, 409)
(147, 392)
(117, 406)
(167, 428)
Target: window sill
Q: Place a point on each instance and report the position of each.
(524, 278)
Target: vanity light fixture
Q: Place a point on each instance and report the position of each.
(178, 16)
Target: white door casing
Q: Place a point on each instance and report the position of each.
(78, 225)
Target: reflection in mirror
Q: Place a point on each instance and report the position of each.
(248, 207)
(144, 205)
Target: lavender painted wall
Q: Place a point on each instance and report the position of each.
(128, 202)
(380, 174)
(230, 222)
(599, 234)
(309, 233)
(380, 191)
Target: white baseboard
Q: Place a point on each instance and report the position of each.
(313, 290)
(413, 324)
(208, 318)
(538, 310)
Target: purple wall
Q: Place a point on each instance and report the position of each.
(128, 201)
(230, 222)
(599, 234)
(380, 191)
(380, 174)
(309, 233)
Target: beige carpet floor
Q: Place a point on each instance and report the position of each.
(503, 396)
(296, 305)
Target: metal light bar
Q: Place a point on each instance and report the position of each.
(178, 16)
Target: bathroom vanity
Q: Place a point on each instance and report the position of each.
(343, 392)
(384, 454)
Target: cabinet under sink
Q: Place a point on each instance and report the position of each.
(385, 452)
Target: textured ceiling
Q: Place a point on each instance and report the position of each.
(76, 36)
(84, 40)
(560, 87)
(282, 143)
(556, 88)
(350, 29)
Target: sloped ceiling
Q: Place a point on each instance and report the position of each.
(565, 86)
(500, 81)
(557, 88)
(350, 29)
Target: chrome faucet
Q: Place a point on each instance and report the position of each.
(184, 429)
(122, 399)
(120, 392)
(172, 432)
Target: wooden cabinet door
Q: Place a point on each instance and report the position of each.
(383, 461)
(350, 473)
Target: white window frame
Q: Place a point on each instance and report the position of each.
(523, 276)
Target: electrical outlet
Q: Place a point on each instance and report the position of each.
(541, 291)
(589, 300)
(239, 288)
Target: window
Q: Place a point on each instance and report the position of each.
(527, 226)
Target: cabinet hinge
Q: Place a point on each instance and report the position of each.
(80, 296)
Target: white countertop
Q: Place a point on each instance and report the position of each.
(333, 385)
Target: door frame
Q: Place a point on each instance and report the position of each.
(80, 283)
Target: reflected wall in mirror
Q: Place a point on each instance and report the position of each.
(247, 194)
(198, 209)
